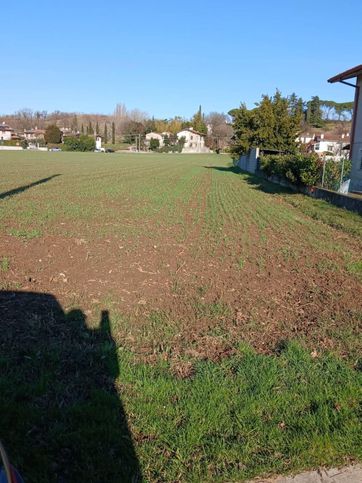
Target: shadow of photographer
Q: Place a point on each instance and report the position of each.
(62, 418)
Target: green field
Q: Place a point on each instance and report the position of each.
(166, 318)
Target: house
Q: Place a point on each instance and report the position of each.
(98, 138)
(356, 131)
(154, 135)
(6, 132)
(305, 137)
(329, 144)
(33, 134)
(167, 134)
(194, 141)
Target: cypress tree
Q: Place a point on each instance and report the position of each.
(198, 122)
(82, 129)
(113, 133)
(74, 125)
(97, 128)
(105, 136)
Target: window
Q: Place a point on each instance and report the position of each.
(316, 147)
(330, 147)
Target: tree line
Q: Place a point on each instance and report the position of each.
(274, 125)
(122, 123)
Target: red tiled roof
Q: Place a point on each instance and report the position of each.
(5, 127)
(333, 137)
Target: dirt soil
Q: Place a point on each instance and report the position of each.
(188, 290)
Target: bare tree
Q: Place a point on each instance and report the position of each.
(137, 115)
(219, 130)
(122, 117)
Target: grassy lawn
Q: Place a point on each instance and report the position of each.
(341, 219)
(167, 319)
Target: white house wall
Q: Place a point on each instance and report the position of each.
(5, 135)
(356, 155)
(328, 146)
(194, 143)
(154, 135)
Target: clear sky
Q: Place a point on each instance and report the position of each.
(168, 57)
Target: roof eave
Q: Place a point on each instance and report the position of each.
(348, 74)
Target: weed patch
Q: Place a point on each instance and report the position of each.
(355, 268)
(25, 234)
(4, 264)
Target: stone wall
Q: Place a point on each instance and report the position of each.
(348, 202)
(249, 162)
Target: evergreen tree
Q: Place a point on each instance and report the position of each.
(53, 135)
(314, 112)
(105, 135)
(198, 122)
(82, 129)
(271, 125)
(296, 106)
(90, 129)
(113, 133)
(74, 125)
(97, 128)
(244, 126)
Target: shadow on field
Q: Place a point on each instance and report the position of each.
(61, 417)
(227, 169)
(255, 181)
(20, 189)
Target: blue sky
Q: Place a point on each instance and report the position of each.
(166, 58)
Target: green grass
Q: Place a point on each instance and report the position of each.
(339, 218)
(171, 387)
(4, 264)
(249, 415)
(355, 268)
(344, 220)
(25, 234)
(246, 416)
(117, 146)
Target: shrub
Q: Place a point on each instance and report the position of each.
(53, 134)
(299, 169)
(83, 143)
(154, 144)
(333, 171)
(172, 144)
(11, 142)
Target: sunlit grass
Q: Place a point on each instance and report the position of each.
(193, 417)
